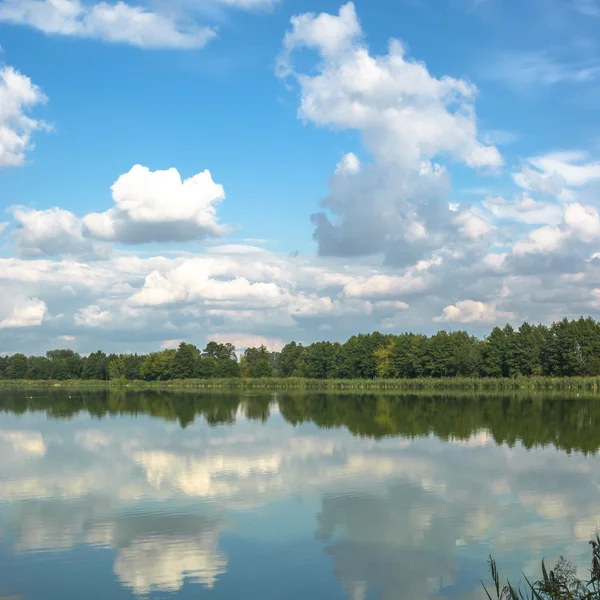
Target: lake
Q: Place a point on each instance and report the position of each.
(114, 495)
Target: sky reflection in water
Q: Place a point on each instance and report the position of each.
(136, 505)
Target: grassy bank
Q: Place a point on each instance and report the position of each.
(573, 384)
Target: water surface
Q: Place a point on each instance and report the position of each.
(227, 496)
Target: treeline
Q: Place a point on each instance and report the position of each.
(567, 348)
(570, 425)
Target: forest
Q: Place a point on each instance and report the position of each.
(567, 348)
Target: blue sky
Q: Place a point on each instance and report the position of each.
(449, 179)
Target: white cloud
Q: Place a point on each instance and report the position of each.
(190, 281)
(524, 209)
(583, 221)
(150, 206)
(574, 167)
(118, 23)
(170, 344)
(394, 305)
(18, 95)
(384, 285)
(471, 225)
(326, 33)
(3, 227)
(159, 206)
(49, 232)
(540, 68)
(404, 112)
(92, 316)
(27, 313)
(580, 223)
(407, 118)
(243, 340)
(542, 240)
(557, 173)
(470, 311)
(349, 164)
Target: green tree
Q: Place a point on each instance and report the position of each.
(184, 364)
(408, 357)
(225, 360)
(320, 360)
(494, 354)
(256, 363)
(357, 358)
(38, 368)
(205, 367)
(158, 366)
(17, 367)
(529, 344)
(289, 359)
(116, 368)
(96, 366)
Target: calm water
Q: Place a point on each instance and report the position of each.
(114, 496)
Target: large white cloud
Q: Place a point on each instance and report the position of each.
(18, 95)
(407, 118)
(149, 206)
(28, 312)
(117, 22)
(159, 206)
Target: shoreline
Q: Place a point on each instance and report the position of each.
(562, 384)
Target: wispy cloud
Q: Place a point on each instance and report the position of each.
(589, 8)
(541, 68)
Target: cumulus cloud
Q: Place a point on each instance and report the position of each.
(28, 313)
(192, 281)
(116, 23)
(149, 206)
(51, 232)
(407, 118)
(18, 95)
(92, 316)
(157, 206)
(580, 226)
(470, 311)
